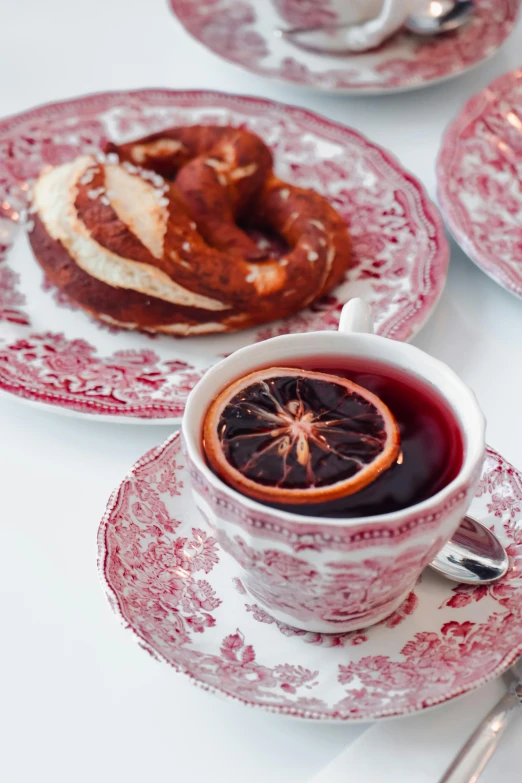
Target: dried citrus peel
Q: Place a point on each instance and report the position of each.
(285, 435)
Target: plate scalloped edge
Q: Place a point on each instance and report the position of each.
(415, 297)
(454, 215)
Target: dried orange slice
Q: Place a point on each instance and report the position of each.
(284, 435)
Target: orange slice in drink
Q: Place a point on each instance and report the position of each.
(290, 436)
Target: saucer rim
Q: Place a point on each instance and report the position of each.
(309, 715)
(366, 89)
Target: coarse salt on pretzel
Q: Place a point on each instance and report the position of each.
(149, 238)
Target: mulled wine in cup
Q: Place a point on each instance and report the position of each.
(333, 466)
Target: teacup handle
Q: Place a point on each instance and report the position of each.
(356, 316)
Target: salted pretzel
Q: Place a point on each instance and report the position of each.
(148, 236)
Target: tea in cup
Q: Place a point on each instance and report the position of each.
(333, 466)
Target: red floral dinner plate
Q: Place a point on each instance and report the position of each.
(168, 582)
(479, 171)
(242, 31)
(52, 354)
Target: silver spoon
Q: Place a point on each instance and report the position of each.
(441, 16)
(479, 748)
(473, 555)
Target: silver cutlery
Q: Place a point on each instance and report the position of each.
(441, 16)
(475, 754)
(473, 555)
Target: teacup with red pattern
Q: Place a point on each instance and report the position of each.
(316, 13)
(352, 459)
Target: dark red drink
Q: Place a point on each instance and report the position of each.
(352, 438)
(431, 442)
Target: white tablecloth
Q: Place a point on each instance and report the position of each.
(79, 700)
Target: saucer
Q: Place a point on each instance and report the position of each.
(56, 356)
(183, 600)
(479, 171)
(243, 33)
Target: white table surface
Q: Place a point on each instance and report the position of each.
(79, 700)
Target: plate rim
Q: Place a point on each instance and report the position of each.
(427, 208)
(366, 88)
(495, 270)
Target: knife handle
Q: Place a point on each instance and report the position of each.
(469, 764)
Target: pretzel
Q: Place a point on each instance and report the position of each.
(148, 237)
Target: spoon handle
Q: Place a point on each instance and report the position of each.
(469, 764)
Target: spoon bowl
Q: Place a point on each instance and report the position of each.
(441, 16)
(474, 555)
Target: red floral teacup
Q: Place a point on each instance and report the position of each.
(330, 574)
(315, 13)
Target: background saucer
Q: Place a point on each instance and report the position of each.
(479, 173)
(242, 33)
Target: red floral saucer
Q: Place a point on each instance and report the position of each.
(479, 171)
(167, 581)
(241, 31)
(52, 354)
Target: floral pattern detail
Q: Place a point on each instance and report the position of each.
(335, 593)
(332, 576)
(241, 32)
(239, 585)
(505, 592)
(165, 582)
(430, 660)
(395, 221)
(479, 172)
(406, 609)
(72, 369)
(310, 637)
(305, 13)
(169, 583)
(304, 536)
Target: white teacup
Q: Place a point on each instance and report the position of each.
(313, 13)
(329, 574)
(371, 21)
